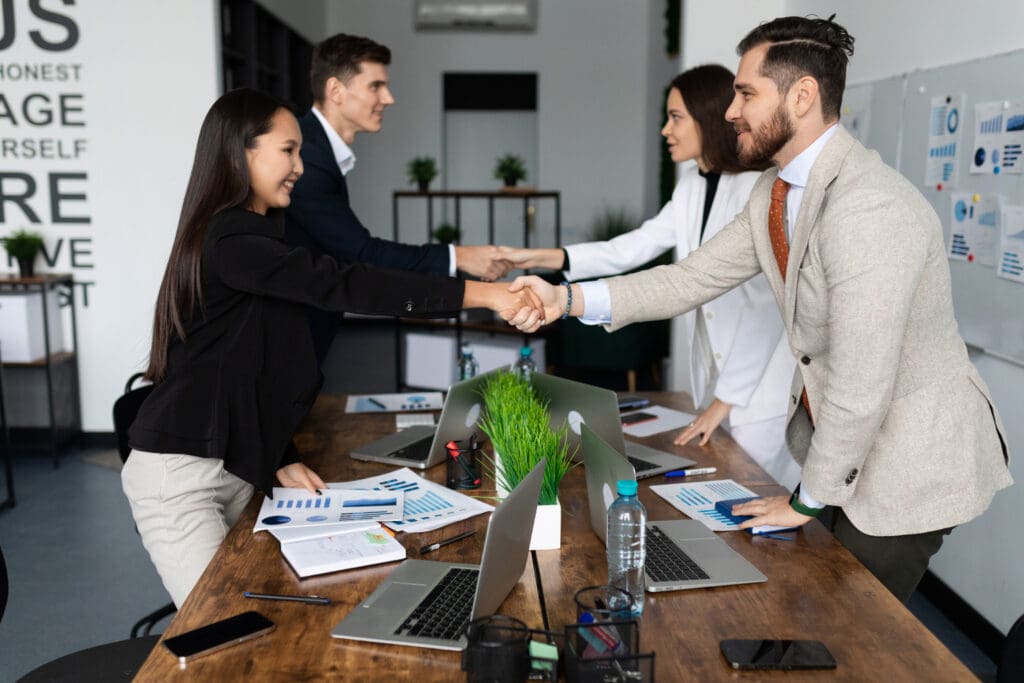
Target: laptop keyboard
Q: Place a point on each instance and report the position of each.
(666, 561)
(641, 465)
(445, 611)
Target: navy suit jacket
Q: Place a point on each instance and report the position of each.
(321, 219)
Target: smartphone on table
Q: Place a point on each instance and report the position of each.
(218, 635)
(777, 654)
(637, 418)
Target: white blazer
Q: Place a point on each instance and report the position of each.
(755, 367)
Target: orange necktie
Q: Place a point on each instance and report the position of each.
(780, 245)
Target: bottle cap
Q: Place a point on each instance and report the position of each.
(626, 487)
(525, 351)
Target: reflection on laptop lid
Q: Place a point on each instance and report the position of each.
(429, 604)
(579, 403)
(681, 553)
(423, 446)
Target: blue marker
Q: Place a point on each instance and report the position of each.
(691, 472)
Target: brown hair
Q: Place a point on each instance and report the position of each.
(219, 181)
(339, 57)
(707, 92)
(805, 46)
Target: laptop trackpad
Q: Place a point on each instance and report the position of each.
(398, 596)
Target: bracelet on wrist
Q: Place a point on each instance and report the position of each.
(794, 502)
(568, 299)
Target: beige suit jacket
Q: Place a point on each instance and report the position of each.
(906, 439)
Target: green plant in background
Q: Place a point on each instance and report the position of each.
(518, 424)
(510, 169)
(446, 233)
(23, 246)
(421, 171)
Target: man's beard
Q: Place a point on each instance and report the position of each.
(767, 140)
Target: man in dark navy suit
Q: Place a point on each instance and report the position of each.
(349, 77)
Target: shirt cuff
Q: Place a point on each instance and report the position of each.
(597, 303)
(807, 500)
(452, 267)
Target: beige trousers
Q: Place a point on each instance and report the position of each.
(183, 508)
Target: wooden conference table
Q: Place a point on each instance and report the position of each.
(815, 589)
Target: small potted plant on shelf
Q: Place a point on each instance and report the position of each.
(24, 246)
(510, 169)
(421, 171)
(446, 233)
(518, 423)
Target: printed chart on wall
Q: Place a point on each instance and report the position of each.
(998, 138)
(941, 169)
(1011, 248)
(974, 234)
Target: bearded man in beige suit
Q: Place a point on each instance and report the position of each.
(885, 404)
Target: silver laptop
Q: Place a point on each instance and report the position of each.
(681, 553)
(409, 608)
(580, 403)
(423, 446)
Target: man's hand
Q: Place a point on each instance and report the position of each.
(497, 296)
(774, 510)
(705, 424)
(550, 302)
(298, 476)
(484, 262)
(533, 258)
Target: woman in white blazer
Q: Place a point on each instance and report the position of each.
(740, 364)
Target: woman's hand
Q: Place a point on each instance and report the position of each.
(705, 423)
(550, 302)
(533, 258)
(298, 476)
(774, 510)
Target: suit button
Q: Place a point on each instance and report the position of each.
(806, 360)
(851, 476)
(709, 315)
(408, 305)
(794, 399)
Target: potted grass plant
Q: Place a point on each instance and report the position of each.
(518, 424)
(24, 246)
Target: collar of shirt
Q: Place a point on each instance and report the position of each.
(342, 153)
(797, 172)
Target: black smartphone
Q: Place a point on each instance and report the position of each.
(637, 418)
(777, 654)
(218, 635)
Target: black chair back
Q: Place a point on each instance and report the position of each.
(1011, 666)
(125, 410)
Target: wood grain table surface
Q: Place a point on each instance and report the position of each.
(815, 589)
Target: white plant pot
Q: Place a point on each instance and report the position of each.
(547, 525)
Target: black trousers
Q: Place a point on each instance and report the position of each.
(898, 562)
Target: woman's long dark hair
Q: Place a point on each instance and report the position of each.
(219, 180)
(707, 92)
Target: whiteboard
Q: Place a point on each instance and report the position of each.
(989, 309)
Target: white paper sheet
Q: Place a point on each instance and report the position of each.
(394, 403)
(667, 419)
(294, 508)
(697, 500)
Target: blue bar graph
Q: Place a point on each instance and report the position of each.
(992, 125)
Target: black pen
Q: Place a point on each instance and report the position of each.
(434, 546)
(377, 403)
(308, 599)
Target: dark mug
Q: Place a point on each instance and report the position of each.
(497, 650)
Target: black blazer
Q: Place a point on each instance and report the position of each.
(246, 376)
(321, 219)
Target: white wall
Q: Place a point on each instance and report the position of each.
(149, 71)
(305, 17)
(594, 105)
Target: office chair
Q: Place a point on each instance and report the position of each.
(125, 410)
(1011, 664)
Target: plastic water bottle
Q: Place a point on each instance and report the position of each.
(627, 538)
(525, 367)
(468, 367)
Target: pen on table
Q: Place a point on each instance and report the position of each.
(691, 472)
(434, 546)
(308, 599)
(777, 537)
(377, 403)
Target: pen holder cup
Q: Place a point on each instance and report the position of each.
(498, 650)
(463, 464)
(603, 603)
(584, 666)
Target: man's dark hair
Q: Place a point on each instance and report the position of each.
(339, 56)
(805, 46)
(707, 92)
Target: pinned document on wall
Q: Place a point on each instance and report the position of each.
(295, 508)
(1011, 247)
(941, 167)
(974, 229)
(998, 138)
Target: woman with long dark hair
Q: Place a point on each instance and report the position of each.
(740, 364)
(232, 358)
